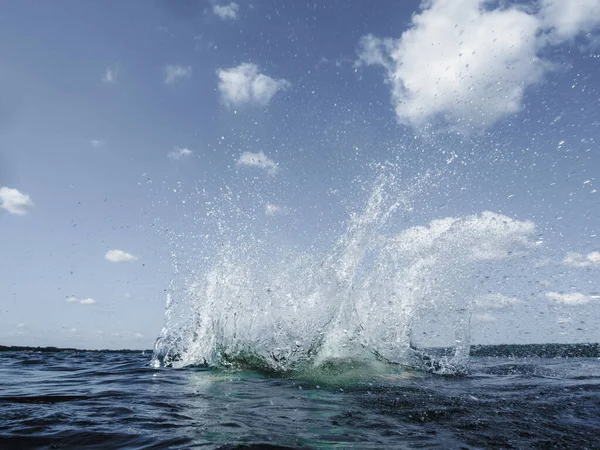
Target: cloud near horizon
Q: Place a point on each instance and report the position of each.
(496, 301)
(575, 259)
(466, 65)
(116, 256)
(487, 236)
(246, 85)
(15, 202)
(81, 301)
(571, 298)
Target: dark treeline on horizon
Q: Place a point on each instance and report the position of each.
(20, 348)
(582, 350)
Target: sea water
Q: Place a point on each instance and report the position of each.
(78, 399)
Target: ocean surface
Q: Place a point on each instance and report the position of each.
(511, 397)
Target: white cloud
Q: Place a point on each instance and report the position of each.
(259, 160)
(496, 301)
(119, 256)
(227, 12)
(467, 65)
(110, 74)
(179, 153)
(14, 202)
(81, 301)
(245, 85)
(487, 236)
(574, 298)
(173, 74)
(580, 260)
(87, 301)
(565, 19)
(97, 143)
(138, 335)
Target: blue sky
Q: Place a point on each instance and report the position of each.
(112, 114)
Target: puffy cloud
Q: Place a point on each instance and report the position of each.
(110, 74)
(245, 85)
(579, 260)
(468, 66)
(483, 237)
(573, 298)
(459, 62)
(14, 202)
(119, 256)
(179, 153)
(173, 74)
(227, 12)
(87, 301)
(565, 19)
(259, 160)
(81, 301)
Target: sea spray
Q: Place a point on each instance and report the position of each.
(377, 294)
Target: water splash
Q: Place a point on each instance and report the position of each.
(376, 295)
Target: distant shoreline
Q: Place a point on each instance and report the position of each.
(21, 348)
(581, 350)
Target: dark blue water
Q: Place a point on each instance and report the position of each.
(115, 400)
